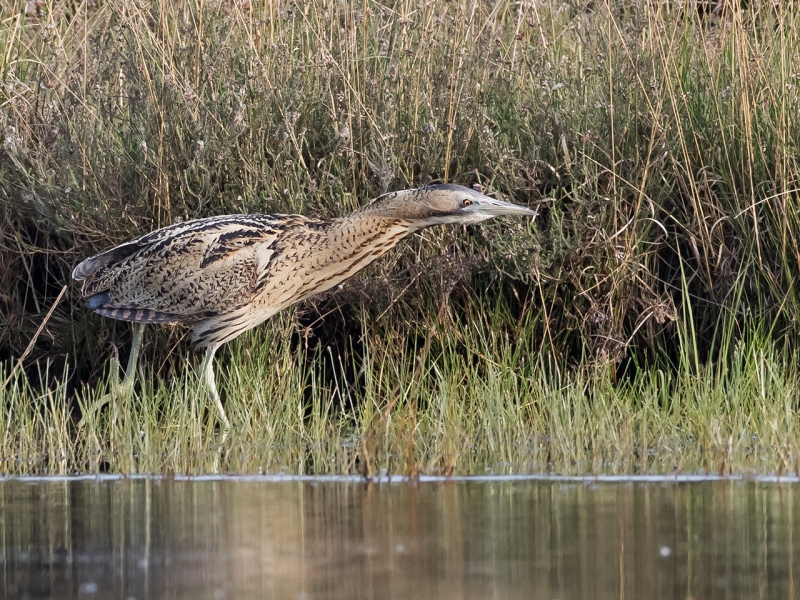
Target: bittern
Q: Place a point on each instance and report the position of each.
(224, 275)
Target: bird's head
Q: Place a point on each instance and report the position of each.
(441, 204)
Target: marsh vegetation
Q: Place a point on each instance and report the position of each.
(646, 322)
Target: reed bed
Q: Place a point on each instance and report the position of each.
(448, 412)
(646, 322)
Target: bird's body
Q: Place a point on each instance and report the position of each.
(224, 275)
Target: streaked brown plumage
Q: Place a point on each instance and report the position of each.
(224, 275)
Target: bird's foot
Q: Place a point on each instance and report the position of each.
(119, 391)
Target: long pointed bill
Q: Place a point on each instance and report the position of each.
(491, 207)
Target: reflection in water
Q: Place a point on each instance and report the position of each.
(235, 539)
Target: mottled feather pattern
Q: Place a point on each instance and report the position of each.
(175, 270)
(226, 274)
(306, 261)
(139, 315)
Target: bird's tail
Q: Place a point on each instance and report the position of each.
(139, 315)
(101, 304)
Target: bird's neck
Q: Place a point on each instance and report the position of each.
(346, 246)
(361, 236)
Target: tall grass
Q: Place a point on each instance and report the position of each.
(647, 320)
(445, 411)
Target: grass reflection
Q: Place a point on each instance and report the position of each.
(235, 539)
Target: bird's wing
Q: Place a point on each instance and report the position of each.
(187, 271)
(94, 263)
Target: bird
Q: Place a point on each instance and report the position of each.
(226, 274)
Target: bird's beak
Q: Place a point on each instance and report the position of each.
(491, 207)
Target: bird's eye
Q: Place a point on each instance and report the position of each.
(465, 203)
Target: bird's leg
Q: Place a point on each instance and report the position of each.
(207, 372)
(124, 389)
(133, 360)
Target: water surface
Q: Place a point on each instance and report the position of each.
(236, 539)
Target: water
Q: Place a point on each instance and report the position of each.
(236, 539)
